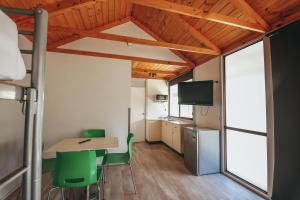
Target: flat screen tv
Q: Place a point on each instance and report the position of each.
(196, 93)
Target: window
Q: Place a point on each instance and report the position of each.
(245, 124)
(174, 107)
(177, 110)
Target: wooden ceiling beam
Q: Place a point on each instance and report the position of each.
(137, 69)
(64, 41)
(286, 20)
(158, 38)
(200, 14)
(116, 56)
(243, 5)
(120, 38)
(61, 7)
(140, 41)
(76, 35)
(146, 76)
(195, 33)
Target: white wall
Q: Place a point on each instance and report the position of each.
(121, 48)
(138, 82)
(155, 110)
(209, 71)
(86, 92)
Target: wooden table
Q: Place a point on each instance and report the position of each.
(72, 144)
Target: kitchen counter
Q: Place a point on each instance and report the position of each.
(179, 122)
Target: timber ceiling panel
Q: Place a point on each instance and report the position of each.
(275, 10)
(213, 25)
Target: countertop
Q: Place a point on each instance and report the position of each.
(178, 122)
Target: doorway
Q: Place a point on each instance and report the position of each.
(246, 116)
(137, 117)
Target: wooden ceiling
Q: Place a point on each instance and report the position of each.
(195, 30)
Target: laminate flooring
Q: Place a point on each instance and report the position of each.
(159, 175)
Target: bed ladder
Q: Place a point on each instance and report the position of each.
(34, 98)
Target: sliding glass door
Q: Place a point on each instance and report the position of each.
(245, 115)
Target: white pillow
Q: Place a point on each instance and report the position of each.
(12, 66)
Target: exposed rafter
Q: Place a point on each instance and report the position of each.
(248, 10)
(288, 19)
(158, 38)
(136, 69)
(127, 39)
(63, 41)
(121, 38)
(147, 76)
(116, 56)
(196, 34)
(76, 34)
(198, 13)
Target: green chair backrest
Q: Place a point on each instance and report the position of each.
(92, 133)
(75, 169)
(129, 143)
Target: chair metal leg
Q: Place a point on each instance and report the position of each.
(51, 190)
(87, 192)
(106, 167)
(99, 191)
(62, 193)
(132, 177)
(102, 184)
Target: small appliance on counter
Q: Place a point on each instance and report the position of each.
(202, 150)
(161, 98)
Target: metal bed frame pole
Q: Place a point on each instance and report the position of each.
(38, 82)
(30, 111)
(17, 11)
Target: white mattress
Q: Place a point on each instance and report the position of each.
(12, 66)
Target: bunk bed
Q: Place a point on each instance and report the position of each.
(32, 98)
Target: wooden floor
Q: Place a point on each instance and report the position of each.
(160, 175)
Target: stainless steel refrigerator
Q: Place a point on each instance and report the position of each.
(202, 150)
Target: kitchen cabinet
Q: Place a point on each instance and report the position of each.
(176, 141)
(153, 130)
(171, 134)
(164, 125)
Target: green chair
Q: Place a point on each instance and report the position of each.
(94, 133)
(48, 164)
(111, 159)
(76, 169)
